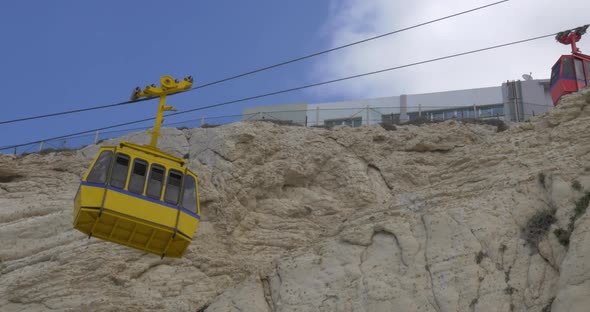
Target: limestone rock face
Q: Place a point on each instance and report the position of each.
(443, 217)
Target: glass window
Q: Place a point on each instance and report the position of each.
(449, 114)
(579, 69)
(99, 171)
(568, 68)
(357, 122)
(587, 72)
(173, 187)
(155, 182)
(120, 169)
(498, 111)
(555, 72)
(189, 197)
(138, 174)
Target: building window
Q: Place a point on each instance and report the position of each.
(498, 111)
(351, 122)
(438, 115)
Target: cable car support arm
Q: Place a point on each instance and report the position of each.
(168, 85)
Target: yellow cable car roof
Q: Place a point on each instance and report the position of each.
(153, 151)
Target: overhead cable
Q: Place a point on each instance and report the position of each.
(256, 70)
(295, 89)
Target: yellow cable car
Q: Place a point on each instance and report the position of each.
(139, 196)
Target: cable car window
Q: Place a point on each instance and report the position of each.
(155, 182)
(568, 69)
(120, 169)
(138, 174)
(555, 72)
(173, 187)
(579, 69)
(587, 72)
(98, 173)
(189, 196)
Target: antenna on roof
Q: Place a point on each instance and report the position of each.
(527, 77)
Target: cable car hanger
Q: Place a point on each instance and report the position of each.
(168, 85)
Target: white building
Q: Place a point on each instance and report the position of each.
(513, 100)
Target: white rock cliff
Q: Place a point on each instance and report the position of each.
(442, 217)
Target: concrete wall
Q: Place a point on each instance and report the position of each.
(392, 105)
(525, 99)
(350, 109)
(536, 97)
(479, 96)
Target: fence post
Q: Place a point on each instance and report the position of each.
(317, 116)
(40, 146)
(474, 111)
(419, 110)
(306, 120)
(368, 121)
(96, 137)
(15, 151)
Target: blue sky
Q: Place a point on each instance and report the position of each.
(62, 55)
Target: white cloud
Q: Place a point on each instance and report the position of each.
(351, 20)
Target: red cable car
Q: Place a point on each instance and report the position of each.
(571, 72)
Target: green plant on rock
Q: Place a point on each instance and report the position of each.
(576, 185)
(538, 226)
(563, 236)
(581, 205)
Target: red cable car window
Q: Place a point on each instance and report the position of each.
(579, 69)
(568, 69)
(555, 72)
(587, 71)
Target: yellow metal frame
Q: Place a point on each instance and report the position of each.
(168, 85)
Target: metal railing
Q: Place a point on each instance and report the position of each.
(316, 117)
